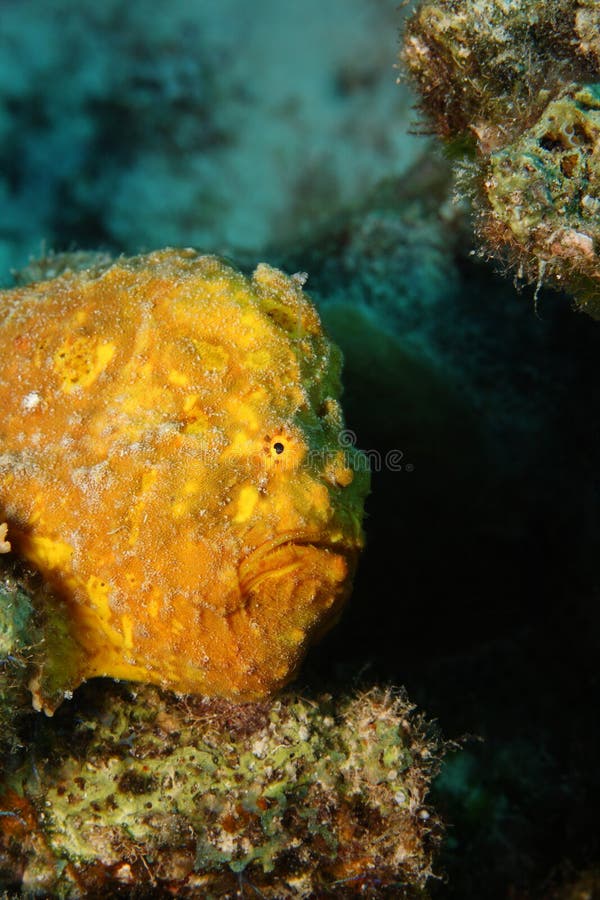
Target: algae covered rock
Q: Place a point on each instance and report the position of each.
(19, 644)
(513, 90)
(587, 27)
(484, 68)
(541, 197)
(295, 798)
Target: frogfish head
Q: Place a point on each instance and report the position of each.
(186, 486)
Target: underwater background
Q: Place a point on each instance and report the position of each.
(276, 132)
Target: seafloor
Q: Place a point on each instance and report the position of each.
(276, 131)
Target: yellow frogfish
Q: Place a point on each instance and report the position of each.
(171, 463)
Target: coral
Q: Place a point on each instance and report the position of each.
(19, 645)
(587, 30)
(511, 87)
(543, 194)
(298, 798)
(171, 466)
(487, 68)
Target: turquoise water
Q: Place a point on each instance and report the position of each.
(221, 125)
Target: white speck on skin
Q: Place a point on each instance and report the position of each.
(31, 401)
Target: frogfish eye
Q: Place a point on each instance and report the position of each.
(284, 449)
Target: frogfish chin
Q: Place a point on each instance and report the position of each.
(173, 462)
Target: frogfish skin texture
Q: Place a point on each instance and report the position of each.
(171, 463)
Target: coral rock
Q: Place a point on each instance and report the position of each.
(542, 197)
(512, 87)
(294, 798)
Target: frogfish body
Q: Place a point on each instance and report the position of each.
(170, 463)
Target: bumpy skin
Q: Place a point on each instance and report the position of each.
(170, 463)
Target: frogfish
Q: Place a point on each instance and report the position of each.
(172, 467)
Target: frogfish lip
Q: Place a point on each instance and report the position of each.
(271, 557)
